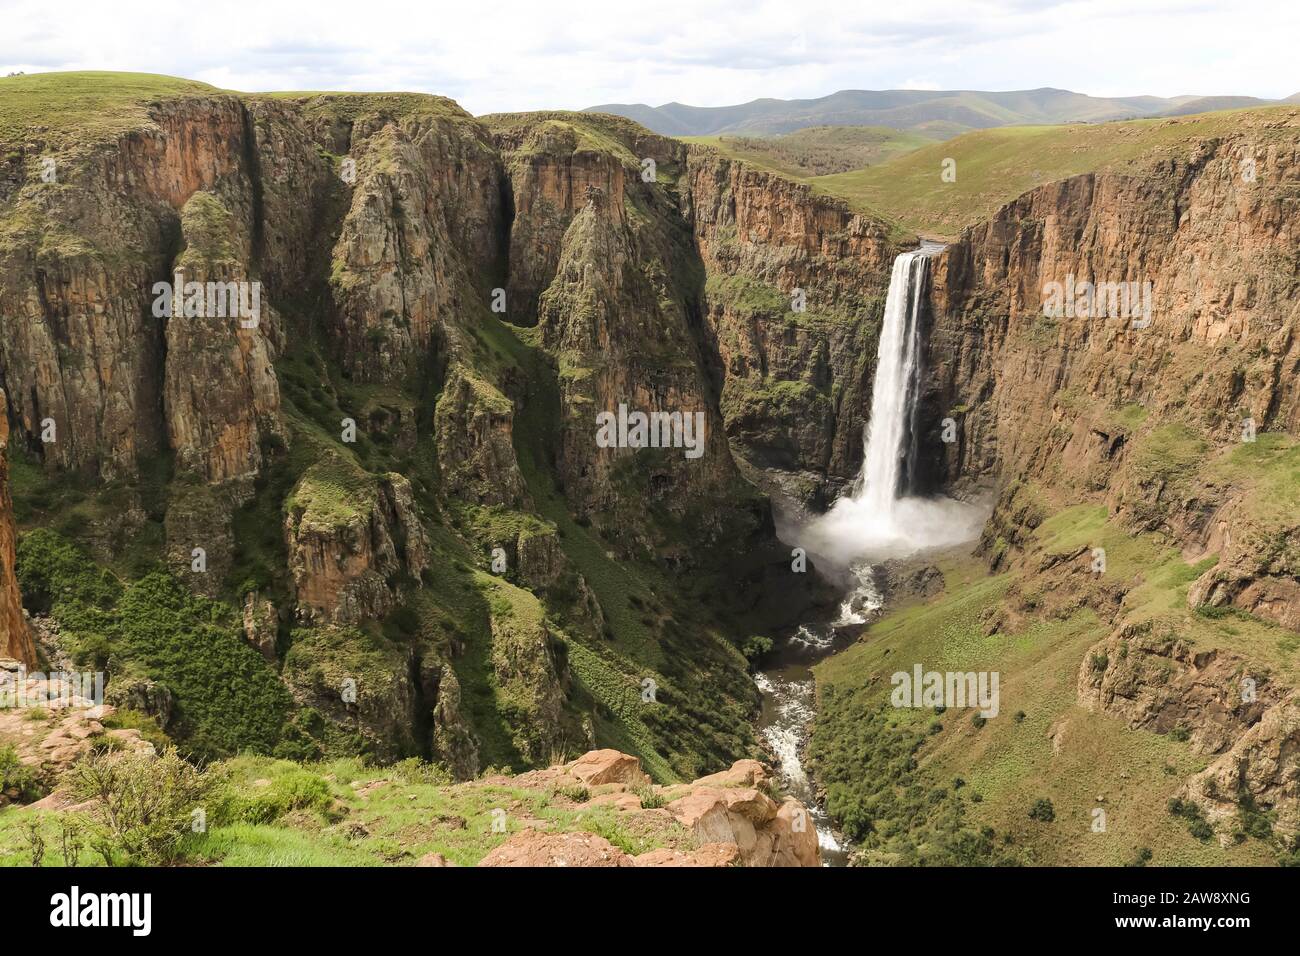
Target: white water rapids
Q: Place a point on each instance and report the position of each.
(876, 521)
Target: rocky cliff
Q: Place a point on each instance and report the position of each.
(335, 361)
(1062, 398)
(793, 295)
(1164, 389)
(15, 636)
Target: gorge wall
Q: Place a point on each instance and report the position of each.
(1181, 421)
(15, 636)
(385, 479)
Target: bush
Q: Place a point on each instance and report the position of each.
(1197, 825)
(1042, 810)
(144, 803)
(1254, 822)
(755, 647)
(298, 789)
(227, 698)
(650, 798)
(17, 780)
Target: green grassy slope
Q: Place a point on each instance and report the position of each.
(994, 166)
(1043, 745)
(818, 150)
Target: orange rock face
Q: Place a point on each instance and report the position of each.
(725, 819)
(15, 637)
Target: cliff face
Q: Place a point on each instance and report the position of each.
(1181, 419)
(1218, 251)
(420, 244)
(794, 292)
(441, 308)
(15, 636)
(600, 254)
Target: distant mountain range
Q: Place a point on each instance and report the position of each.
(938, 113)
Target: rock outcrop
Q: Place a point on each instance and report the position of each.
(1157, 682)
(1262, 765)
(348, 539)
(794, 293)
(725, 819)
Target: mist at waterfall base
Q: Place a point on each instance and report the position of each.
(875, 522)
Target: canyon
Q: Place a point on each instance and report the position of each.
(413, 544)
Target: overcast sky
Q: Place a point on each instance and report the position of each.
(493, 56)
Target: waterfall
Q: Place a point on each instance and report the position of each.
(890, 438)
(878, 519)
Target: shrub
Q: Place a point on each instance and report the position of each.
(143, 803)
(298, 789)
(416, 771)
(1254, 822)
(1042, 810)
(1197, 825)
(17, 780)
(756, 646)
(650, 798)
(575, 792)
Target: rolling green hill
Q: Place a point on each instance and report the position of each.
(818, 150)
(945, 112)
(994, 166)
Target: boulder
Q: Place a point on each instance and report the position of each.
(607, 766)
(532, 848)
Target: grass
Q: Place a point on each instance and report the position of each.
(340, 813)
(994, 166)
(817, 150)
(564, 133)
(1043, 744)
(68, 110)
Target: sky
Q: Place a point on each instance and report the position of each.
(551, 54)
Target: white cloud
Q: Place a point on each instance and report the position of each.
(528, 55)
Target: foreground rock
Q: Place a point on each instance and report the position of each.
(725, 819)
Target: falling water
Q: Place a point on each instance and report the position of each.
(878, 519)
(896, 386)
